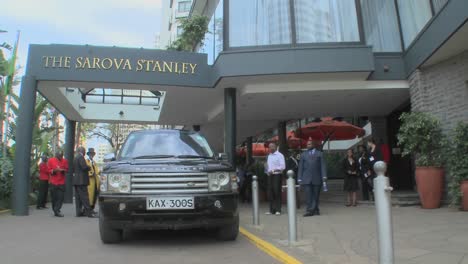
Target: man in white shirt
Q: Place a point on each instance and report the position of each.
(276, 166)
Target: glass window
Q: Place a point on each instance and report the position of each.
(326, 21)
(438, 4)
(179, 30)
(213, 41)
(184, 6)
(259, 22)
(381, 25)
(218, 29)
(414, 14)
(173, 143)
(112, 99)
(131, 100)
(150, 101)
(208, 42)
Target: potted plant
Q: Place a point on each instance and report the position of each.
(420, 135)
(458, 166)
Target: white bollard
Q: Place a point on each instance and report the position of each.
(292, 219)
(383, 206)
(255, 203)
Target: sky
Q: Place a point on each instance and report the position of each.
(124, 23)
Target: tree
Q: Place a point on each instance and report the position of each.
(194, 29)
(42, 135)
(82, 131)
(112, 133)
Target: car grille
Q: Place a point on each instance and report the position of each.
(168, 182)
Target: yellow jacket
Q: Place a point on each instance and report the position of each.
(94, 171)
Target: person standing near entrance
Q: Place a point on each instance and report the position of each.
(364, 167)
(293, 164)
(311, 174)
(58, 166)
(81, 182)
(44, 175)
(276, 167)
(375, 154)
(94, 183)
(351, 184)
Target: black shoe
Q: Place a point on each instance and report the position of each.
(81, 214)
(58, 214)
(317, 213)
(308, 214)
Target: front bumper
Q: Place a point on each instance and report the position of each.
(135, 216)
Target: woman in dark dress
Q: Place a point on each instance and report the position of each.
(351, 185)
(364, 168)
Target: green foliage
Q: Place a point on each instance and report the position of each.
(457, 161)
(194, 30)
(334, 161)
(3, 65)
(6, 181)
(420, 135)
(41, 143)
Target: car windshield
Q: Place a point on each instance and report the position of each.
(164, 144)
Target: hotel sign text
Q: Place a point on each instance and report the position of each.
(118, 64)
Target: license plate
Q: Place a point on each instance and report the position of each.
(169, 203)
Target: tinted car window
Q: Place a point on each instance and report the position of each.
(173, 143)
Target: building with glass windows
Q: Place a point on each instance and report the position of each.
(365, 59)
(172, 12)
(263, 63)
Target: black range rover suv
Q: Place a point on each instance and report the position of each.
(167, 179)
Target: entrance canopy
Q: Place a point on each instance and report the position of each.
(242, 94)
(111, 84)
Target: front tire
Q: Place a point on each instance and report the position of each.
(108, 235)
(229, 232)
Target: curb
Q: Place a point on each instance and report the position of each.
(2, 212)
(5, 211)
(271, 250)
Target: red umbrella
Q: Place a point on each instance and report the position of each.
(293, 141)
(258, 149)
(329, 128)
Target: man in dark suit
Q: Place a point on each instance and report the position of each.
(81, 182)
(311, 174)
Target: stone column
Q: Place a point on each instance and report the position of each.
(70, 127)
(22, 163)
(282, 139)
(230, 124)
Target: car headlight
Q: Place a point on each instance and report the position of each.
(103, 183)
(116, 183)
(219, 181)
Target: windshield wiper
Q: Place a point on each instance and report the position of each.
(193, 156)
(153, 157)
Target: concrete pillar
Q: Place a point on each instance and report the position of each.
(70, 127)
(230, 124)
(249, 154)
(22, 163)
(282, 140)
(379, 129)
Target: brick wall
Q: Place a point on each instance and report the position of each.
(442, 90)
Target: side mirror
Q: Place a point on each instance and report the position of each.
(222, 156)
(109, 157)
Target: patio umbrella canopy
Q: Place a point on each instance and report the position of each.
(294, 142)
(329, 128)
(258, 150)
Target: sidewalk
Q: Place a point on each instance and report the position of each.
(348, 234)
